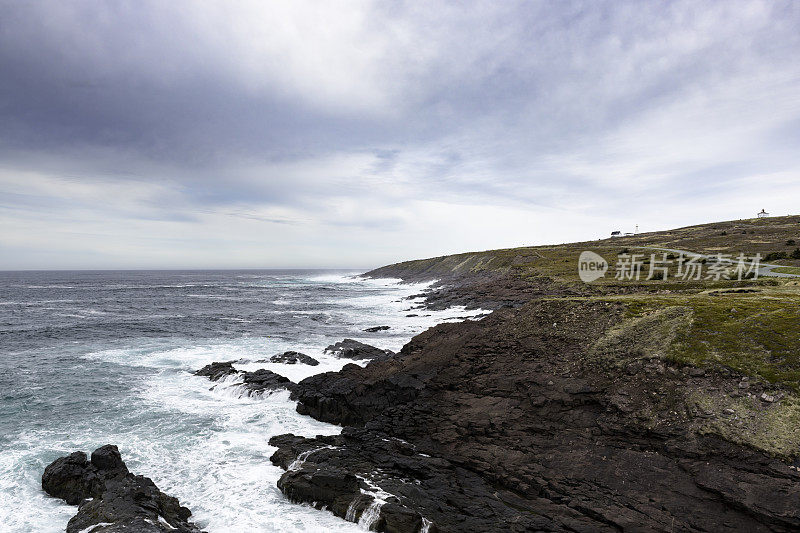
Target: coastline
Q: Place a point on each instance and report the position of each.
(569, 408)
(203, 443)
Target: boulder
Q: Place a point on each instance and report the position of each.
(352, 349)
(293, 358)
(72, 478)
(216, 371)
(265, 380)
(256, 382)
(108, 458)
(377, 328)
(110, 498)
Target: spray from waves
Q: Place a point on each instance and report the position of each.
(233, 386)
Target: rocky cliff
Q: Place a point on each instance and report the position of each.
(570, 408)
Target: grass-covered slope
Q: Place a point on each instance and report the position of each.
(775, 235)
(748, 328)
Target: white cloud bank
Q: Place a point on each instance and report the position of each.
(301, 134)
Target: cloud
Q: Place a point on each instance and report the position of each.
(321, 131)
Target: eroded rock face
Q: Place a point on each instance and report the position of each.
(293, 358)
(110, 498)
(526, 430)
(352, 349)
(350, 397)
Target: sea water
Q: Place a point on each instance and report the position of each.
(90, 358)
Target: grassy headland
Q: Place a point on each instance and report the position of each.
(746, 330)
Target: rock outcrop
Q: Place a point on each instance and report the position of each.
(263, 380)
(110, 499)
(216, 371)
(375, 329)
(352, 349)
(540, 418)
(293, 358)
(254, 383)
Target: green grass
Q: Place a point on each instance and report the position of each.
(773, 428)
(753, 333)
(560, 262)
(787, 270)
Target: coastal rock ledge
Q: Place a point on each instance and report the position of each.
(554, 416)
(110, 499)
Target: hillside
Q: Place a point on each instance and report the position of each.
(649, 405)
(747, 325)
(750, 236)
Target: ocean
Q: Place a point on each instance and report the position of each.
(90, 358)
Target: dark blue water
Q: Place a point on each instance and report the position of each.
(88, 358)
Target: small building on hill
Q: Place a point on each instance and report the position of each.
(616, 234)
(763, 214)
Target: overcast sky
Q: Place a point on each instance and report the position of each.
(175, 134)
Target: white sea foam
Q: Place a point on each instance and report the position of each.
(206, 442)
(99, 525)
(426, 525)
(223, 474)
(370, 515)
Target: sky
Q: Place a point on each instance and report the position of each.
(352, 134)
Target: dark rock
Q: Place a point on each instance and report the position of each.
(216, 371)
(397, 518)
(119, 500)
(256, 382)
(511, 424)
(377, 328)
(329, 396)
(332, 488)
(343, 477)
(290, 447)
(291, 358)
(265, 380)
(351, 349)
(72, 478)
(108, 458)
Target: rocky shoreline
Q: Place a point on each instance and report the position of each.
(556, 412)
(533, 419)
